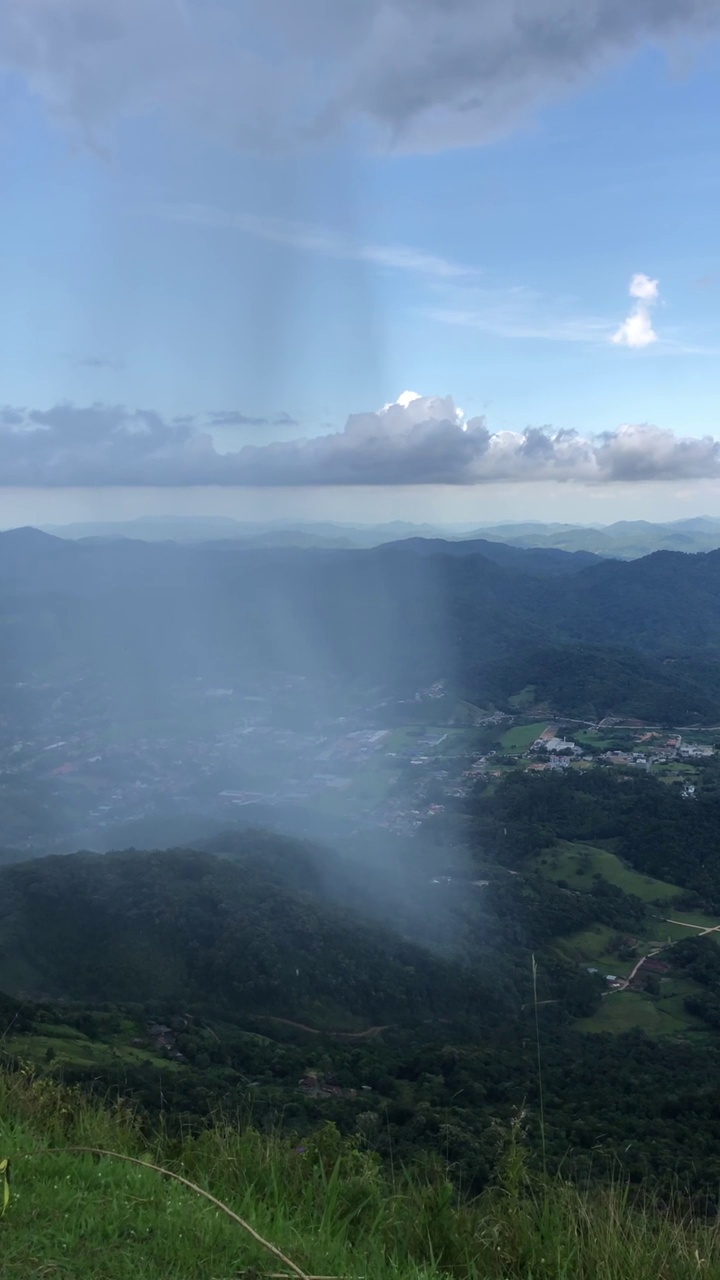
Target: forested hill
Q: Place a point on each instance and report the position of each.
(667, 600)
(135, 617)
(256, 931)
(391, 988)
(541, 562)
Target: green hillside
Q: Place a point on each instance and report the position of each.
(321, 1201)
(241, 979)
(581, 864)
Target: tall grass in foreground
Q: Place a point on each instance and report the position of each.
(324, 1202)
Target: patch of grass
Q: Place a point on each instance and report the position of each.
(53, 1050)
(520, 737)
(328, 1207)
(611, 845)
(402, 738)
(705, 737)
(44, 1048)
(324, 1202)
(592, 947)
(604, 741)
(663, 929)
(63, 1032)
(525, 699)
(467, 713)
(676, 769)
(580, 863)
(627, 1011)
(675, 1007)
(632, 1010)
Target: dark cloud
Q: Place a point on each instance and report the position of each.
(438, 73)
(10, 417)
(98, 362)
(417, 441)
(233, 418)
(100, 445)
(427, 73)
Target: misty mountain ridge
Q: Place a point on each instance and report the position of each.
(278, 532)
(138, 616)
(623, 539)
(534, 560)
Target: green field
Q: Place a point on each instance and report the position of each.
(629, 1010)
(402, 738)
(456, 741)
(677, 933)
(706, 737)
(525, 699)
(64, 1044)
(466, 713)
(520, 737)
(604, 741)
(60, 1043)
(579, 864)
(592, 947)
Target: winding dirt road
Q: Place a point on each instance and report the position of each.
(701, 931)
(368, 1034)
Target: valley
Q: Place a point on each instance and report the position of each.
(333, 868)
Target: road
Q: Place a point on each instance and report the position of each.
(626, 981)
(701, 928)
(368, 1034)
(701, 931)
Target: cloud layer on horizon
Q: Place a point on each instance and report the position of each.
(424, 74)
(415, 441)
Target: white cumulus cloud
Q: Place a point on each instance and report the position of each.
(637, 329)
(417, 440)
(643, 287)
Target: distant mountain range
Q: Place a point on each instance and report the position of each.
(583, 635)
(624, 540)
(280, 533)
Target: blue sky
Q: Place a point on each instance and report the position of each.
(155, 258)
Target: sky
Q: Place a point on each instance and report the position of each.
(417, 259)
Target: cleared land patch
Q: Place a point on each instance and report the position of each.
(685, 924)
(592, 947)
(630, 1010)
(77, 1050)
(580, 864)
(521, 737)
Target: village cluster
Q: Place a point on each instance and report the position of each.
(226, 751)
